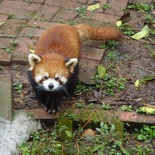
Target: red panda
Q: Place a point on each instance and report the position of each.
(53, 71)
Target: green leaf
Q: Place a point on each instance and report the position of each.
(125, 152)
(143, 33)
(148, 110)
(119, 23)
(148, 78)
(101, 71)
(68, 133)
(141, 137)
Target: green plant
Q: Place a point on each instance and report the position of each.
(14, 43)
(91, 105)
(141, 7)
(82, 11)
(15, 67)
(109, 45)
(149, 19)
(80, 88)
(126, 108)
(106, 6)
(145, 133)
(9, 50)
(105, 106)
(126, 29)
(105, 141)
(18, 87)
(80, 104)
(108, 83)
(30, 36)
(111, 55)
(1, 67)
(142, 150)
(69, 115)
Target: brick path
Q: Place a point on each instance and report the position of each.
(25, 20)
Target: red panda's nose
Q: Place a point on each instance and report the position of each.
(50, 85)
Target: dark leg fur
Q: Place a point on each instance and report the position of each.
(73, 80)
(52, 99)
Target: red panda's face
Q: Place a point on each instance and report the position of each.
(51, 73)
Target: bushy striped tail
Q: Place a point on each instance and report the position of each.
(102, 33)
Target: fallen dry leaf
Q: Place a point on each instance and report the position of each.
(89, 133)
(143, 33)
(93, 7)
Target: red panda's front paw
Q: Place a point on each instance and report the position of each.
(51, 110)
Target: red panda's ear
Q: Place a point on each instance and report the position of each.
(33, 59)
(71, 63)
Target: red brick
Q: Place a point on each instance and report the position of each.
(41, 114)
(24, 14)
(40, 24)
(12, 27)
(116, 7)
(5, 58)
(105, 18)
(36, 1)
(87, 69)
(92, 53)
(21, 52)
(90, 22)
(31, 32)
(137, 20)
(65, 15)
(63, 3)
(5, 43)
(21, 5)
(46, 15)
(134, 117)
(3, 18)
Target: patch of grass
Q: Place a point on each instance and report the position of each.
(82, 11)
(146, 133)
(109, 45)
(126, 108)
(15, 67)
(149, 19)
(80, 88)
(9, 50)
(49, 142)
(106, 6)
(30, 36)
(105, 106)
(14, 43)
(109, 84)
(126, 29)
(141, 7)
(142, 150)
(105, 140)
(80, 104)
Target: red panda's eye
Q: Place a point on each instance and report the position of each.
(45, 77)
(56, 78)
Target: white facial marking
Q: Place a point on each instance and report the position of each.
(38, 78)
(62, 78)
(49, 81)
(46, 74)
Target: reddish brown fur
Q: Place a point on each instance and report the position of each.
(63, 41)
